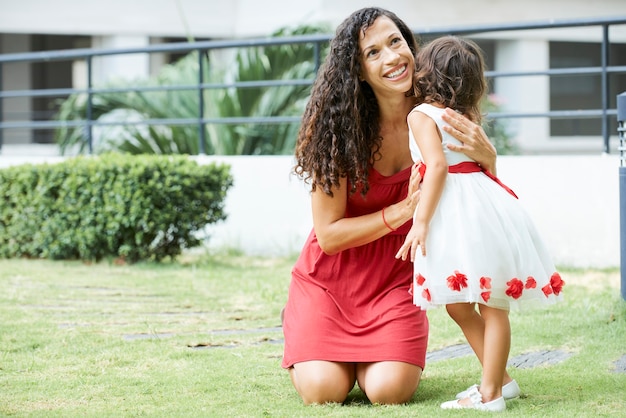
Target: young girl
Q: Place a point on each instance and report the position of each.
(477, 244)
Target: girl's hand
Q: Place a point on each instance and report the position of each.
(415, 238)
(476, 144)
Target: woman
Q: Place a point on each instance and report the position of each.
(349, 316)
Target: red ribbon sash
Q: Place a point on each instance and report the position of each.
(471, 167)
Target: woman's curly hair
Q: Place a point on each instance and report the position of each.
(340, 131)
(450, 71)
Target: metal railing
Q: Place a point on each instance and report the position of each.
(604, 70)
(621, 131)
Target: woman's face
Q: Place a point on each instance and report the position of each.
(387, 61)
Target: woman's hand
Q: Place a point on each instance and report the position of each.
(476, 144)
(415, 180)
(400, 213)
(413, 195)
(335, 232)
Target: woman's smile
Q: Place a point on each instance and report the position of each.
(396, 73)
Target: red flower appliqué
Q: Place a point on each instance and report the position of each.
(515, 288)
(485, 283)
(555, 286)
(420, 279)
(457, 281)
(426, 294)
(557, 283)
(485, 296)
(531, 283)
(547, 290)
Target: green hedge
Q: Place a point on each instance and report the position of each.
(127, 207)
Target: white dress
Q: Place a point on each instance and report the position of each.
(482, 246)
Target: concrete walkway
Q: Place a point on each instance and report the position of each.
(522, 361)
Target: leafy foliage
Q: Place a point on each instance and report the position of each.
(496, 129)
(128, 207)
(123, 111)
(117, 109)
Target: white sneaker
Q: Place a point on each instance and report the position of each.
(509, 391)
(497, 405)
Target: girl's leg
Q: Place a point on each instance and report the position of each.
(319, 382)
(388, 382)
(473, 326)
(496, 347)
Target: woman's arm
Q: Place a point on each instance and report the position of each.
(476, 144)
(336, 233)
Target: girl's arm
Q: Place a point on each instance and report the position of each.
(336, 233)
(428, 140)
(476, 144)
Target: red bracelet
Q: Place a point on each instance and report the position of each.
(385, 221)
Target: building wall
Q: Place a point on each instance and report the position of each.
(16, 76)
(245, 18)
(122, 24)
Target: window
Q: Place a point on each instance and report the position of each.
(574, 92)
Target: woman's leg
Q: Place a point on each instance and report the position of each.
(473, 326)
(319, 382)
(496, 347)
(388, 382)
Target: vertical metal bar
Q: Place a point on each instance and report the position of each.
(605, 88)
(1, 111)
(318, 58)
(89, 115)
(201, 134)
(621, 132)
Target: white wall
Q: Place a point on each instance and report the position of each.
(525, 94)
(268, 208)
(125, 67)
(574, 201)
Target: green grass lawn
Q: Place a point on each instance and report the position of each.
(201, 337)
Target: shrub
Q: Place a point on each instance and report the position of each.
(497, 129)
(128, 207)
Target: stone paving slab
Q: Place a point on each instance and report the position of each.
(156, 336)
(522, 361)
(539, 358)
(453, 351)
(620, 365)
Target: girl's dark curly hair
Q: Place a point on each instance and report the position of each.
(450, 71)
(340, 131)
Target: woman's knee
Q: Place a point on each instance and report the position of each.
(319, 382)
(389, 382)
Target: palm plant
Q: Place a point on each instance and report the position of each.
(123, 111)
(286, 62)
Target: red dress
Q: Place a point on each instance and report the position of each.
(355, 306)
